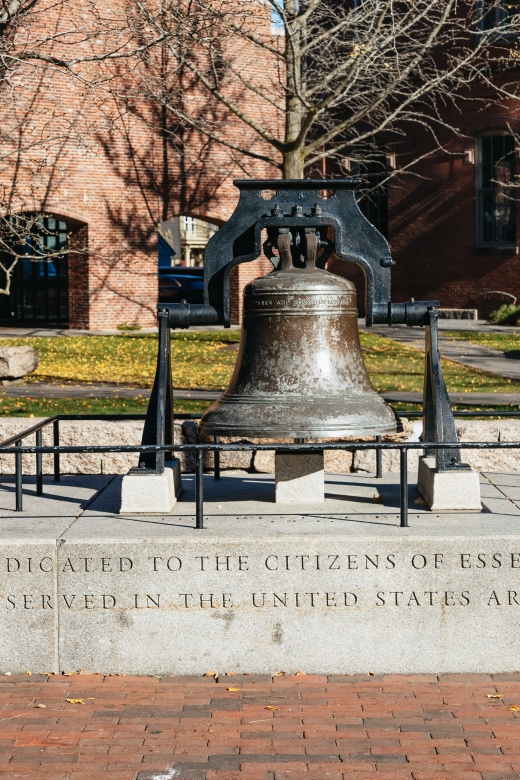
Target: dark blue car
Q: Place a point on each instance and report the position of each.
(180, 283)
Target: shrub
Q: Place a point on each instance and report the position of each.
(507, 314)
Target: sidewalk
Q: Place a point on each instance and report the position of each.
(473, 355)
(358, 727)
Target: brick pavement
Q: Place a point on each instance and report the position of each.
(357, 727)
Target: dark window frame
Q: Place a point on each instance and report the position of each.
(496, 205)
(374, 203)
(493, 23)
(39, 288)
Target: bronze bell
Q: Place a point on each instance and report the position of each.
(299, 371)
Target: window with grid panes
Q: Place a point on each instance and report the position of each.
(496, 194)
(39, 288)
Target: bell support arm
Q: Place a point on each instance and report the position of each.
(295, 204)
(159, 426)
(438, 420)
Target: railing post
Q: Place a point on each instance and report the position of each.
(199, 489)
(403, 485)
(18, 477)
(216, 459)
(379, 460)
(39, 468)
(56, 442)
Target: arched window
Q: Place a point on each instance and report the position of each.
(496, 194)
(33, 253)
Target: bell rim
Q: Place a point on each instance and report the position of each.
(273, 399)
(303, 433)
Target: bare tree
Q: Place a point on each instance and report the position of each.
(311, 80)
(48, 49)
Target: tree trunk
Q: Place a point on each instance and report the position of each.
(293, 164)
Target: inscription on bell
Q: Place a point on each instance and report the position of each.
(305, 302)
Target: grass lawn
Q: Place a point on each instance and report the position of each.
(205, 360)
(48, 407)
(199, 359)
(504, 341)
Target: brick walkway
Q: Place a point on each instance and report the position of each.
(303, 727)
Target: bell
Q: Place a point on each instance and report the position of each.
(299, 371)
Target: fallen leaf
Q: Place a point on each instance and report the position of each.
(273, 709)
(233, 689)
(300, 674)
(514, 708)
(40, 706)
(494, 696)
(79, 701)
(377, 499)
(68, 674)
(210, 674)
(279, 674)
(230, 674)
(253, 682)
(370, 674)
(421, 501)
(7, 674)
(28, 672)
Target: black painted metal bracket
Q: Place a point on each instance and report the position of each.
(296, 207)
(438, 419)
(158, 426)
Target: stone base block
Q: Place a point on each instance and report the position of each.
(299, 477)
(151, 493)
(448, 491)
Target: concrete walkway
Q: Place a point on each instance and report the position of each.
(260, 727)
(473, 355)
(91, 390)
(450, 325)
(46, 390)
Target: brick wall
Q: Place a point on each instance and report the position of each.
(109, 174)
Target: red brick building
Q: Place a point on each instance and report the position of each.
(114, 173)
(104, 173)
(451, 221)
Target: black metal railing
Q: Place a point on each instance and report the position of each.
(13, 446)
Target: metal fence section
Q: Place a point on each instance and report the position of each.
(14, 446)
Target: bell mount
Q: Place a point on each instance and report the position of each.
(299, 207)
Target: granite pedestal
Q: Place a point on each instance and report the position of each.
(151, 493)
(448, 491)
(331, 587)
(299, 477)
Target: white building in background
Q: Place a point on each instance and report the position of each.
(182, 241)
